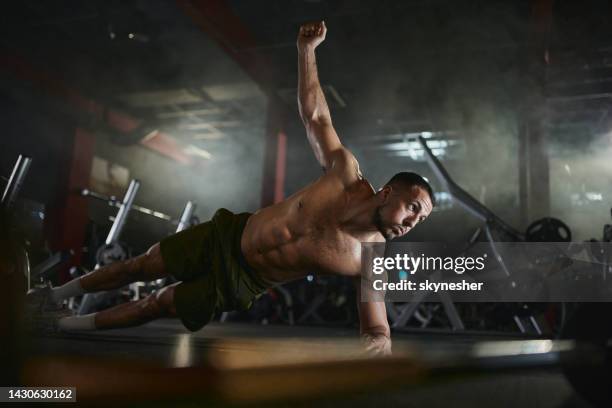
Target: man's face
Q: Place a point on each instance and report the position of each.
(401, 210)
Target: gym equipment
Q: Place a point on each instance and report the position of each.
(493, 229)
(42, 270)
(469, 203)
(274, 307)
(121, 217)
(15, 182)
(329, 300)
(187, 217)
(548, 229)
(7, 203)
(114, 202)
(9, 195)
(111, 251)
(401, 314)
(114, 251)
(186, 220)
(607, 231)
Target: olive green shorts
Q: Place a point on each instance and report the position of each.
(214, 275)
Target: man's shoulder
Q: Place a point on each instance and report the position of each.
(342, 156)
(345, 166)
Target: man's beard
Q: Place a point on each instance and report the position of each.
(378, 222)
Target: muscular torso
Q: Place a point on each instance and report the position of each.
(307, 233)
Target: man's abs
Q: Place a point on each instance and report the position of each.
(300, 235)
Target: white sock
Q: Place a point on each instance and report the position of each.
(78, 323)
(67, 290)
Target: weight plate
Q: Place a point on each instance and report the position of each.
(548, 229)
(108, 254)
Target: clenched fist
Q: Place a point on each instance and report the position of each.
(311, 35)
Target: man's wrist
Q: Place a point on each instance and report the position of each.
(305, 48)
(375, 335)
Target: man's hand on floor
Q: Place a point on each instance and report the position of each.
(377, 345)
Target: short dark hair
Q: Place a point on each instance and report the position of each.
(408, 179)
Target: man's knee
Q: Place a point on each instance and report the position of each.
(151, 307)
(147, 266)
(161, 303)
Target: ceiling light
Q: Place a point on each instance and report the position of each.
(196, 151)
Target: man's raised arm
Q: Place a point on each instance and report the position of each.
(311, 101)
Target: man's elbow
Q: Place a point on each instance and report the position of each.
(314, 119)
(305, 114)
(308, 112)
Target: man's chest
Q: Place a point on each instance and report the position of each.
(330, 250)
(317, 227)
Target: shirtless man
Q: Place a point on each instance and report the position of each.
(224, 264)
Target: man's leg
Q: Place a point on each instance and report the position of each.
(146, 267)
(134, 313)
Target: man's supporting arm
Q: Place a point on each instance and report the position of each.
(311, 100)
(374, 327)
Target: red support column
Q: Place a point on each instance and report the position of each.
(275, 156)
(281, 165)
(66, 221)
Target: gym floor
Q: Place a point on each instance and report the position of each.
(169, 344)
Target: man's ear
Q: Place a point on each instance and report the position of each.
(384, 193)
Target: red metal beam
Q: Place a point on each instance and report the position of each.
(67, 217)
(216, 18)
(168, 146)
(115, 119)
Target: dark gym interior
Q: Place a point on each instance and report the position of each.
(192, 105)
